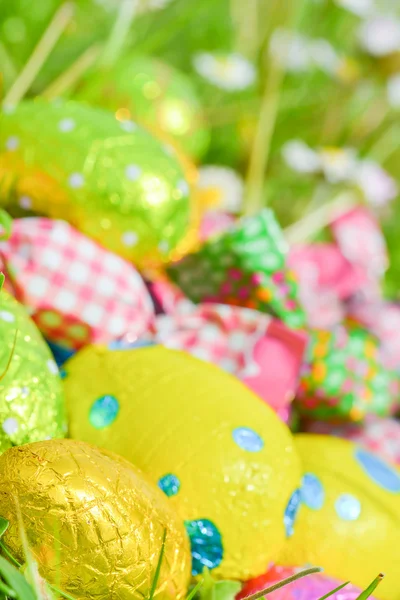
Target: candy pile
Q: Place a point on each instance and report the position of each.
(191, 391)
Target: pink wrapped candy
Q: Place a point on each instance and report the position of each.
(311, 587)
(379, 435)
(76, 291)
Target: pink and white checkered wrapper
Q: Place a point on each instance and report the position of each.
(379, 435)
(261, 351)
(76, 291)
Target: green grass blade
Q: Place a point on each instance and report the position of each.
(9, 555)
(371, 588)
(283, 583)
(16, 581)
(4, 524)
(339, 587)
(194, 591)
(60, 592)
(158, 568)
(2, 278)
(7, 591)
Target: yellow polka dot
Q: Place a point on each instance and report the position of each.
(79, 332)
(319, 371)
(50, 319)
(264, 294)
(370, 349)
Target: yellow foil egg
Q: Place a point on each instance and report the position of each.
(94, 523)
(31, 393)
(221, 455)
(349, 519)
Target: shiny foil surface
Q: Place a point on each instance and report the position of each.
(110, 179)
(157, 95)
(223, 458)
(349, 518)
(31, 394)
(94, 523)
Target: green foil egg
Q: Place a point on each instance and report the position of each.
(111, 179)
(155, 94)
(31, 395)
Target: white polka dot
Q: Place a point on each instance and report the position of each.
(183, 187)
(105, 286)
(78, 272)
(10, 426)
(116, 325)
(64, 301)
(66, 125)
(130, 238)
(25, 202)
(93, 315)
(52, 259)
(128, 126)
(52, 366)
(133, 172)
(163, 246)
(12, 143)
(7, 316)
(76, 180)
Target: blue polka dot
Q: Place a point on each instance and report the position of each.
(122, 345)
(169, 484)
(348, 507)
(103, 411)
(291, 511)
(206, 545)
(63, 373)
(312, 492)
(248, 439)
(379, 471)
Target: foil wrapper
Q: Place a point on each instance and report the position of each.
(308, 588)
(344, 377)
(110, 179)
(245, 266)
(31, 394)
(94, 523)
(350, 507)
(76, 291)
(156, 95)
(224, 459)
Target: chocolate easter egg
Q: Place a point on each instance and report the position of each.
(348, 522)
(31, 394)
(112, 180)
(221, 455)
(94, 523)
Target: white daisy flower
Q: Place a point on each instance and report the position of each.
(324, 56)
(142, 6)
(298, 54)
(361, 8)
(338, 164)
(231, 72)
(380, 35)
(300, 157)
(376, 184)
(223, 187)
(393, 91)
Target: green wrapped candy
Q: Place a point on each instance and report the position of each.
(31, 396)
(155, 94)
(343, 377)
(112, 180)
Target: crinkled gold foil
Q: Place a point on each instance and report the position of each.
(31, 394)
(94, 523)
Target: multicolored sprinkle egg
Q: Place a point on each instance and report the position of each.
(223, 458)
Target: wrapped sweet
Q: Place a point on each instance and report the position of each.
(343, 377)
(156, 95)
(221, 455)
(110, 179)
(348, 522)
(76, 291)
(307, 588)
(245, 266)
(31, 394)
(94, 523)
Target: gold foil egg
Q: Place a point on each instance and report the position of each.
(349, 519)
(224, 459)
(111, 179)
(31, 394)
(155, 94)
(94, 523)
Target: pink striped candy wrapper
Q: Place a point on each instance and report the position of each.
(76, 291)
